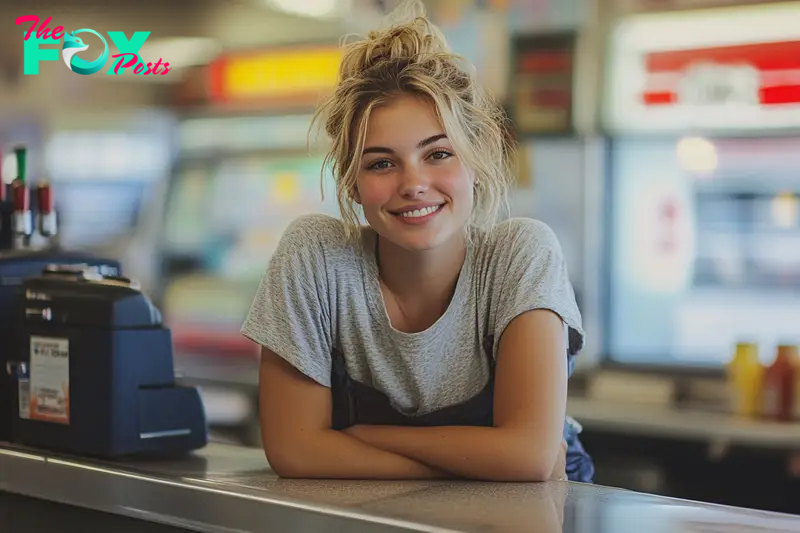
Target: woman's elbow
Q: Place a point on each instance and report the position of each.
(523, 466)
(288, 472)
(536, 473)
(521, 472)
(285, 462)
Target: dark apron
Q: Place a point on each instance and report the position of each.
(355, 403)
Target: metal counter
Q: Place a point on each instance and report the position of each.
(231, 489)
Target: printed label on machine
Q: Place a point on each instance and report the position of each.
(49, 380)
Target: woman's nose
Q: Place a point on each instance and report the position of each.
(413, 183)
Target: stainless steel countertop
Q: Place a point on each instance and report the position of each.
(227, 489)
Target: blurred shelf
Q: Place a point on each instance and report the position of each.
(682, 424)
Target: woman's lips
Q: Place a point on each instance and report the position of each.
(419, 216)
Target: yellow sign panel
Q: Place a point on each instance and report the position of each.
(281, 74)
(286, 187)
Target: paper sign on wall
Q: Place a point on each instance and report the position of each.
(49, 379)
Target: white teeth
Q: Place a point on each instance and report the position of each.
(420, 212)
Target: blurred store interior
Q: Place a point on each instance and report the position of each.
(660, 141)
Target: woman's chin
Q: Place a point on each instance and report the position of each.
(417, 240)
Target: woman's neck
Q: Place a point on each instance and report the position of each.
(421, 283)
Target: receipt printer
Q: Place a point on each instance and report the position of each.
(95, 371)
(15, 266)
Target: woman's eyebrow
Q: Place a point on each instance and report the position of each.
(422, 144)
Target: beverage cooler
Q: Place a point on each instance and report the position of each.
(247, 167)
(703, 112)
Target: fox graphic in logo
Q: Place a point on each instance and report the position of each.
(73, 45)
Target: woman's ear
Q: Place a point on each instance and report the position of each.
(356, 196)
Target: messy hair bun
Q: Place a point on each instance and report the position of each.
(409, 36)
(410, 55)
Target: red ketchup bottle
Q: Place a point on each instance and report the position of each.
(779, 385)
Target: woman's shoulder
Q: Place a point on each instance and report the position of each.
(315, 227)
(519, 235)
(317, 242)
(314, 234)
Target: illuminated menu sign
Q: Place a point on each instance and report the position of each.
(723, 70)
(280, 77)
(541, 91)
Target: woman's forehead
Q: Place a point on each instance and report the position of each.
(403, 122)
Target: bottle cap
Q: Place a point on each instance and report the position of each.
(746, 349)
(21, 153)
(787, 350)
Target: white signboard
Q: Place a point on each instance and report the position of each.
(720, 70)
(652, 6)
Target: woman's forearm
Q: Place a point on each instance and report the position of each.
(330, 454)
(487, 453)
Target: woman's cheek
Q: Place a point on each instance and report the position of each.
(374, 194)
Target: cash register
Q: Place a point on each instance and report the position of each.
(86, 364)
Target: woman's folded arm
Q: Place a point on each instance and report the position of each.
(529, 413)
(295, 416)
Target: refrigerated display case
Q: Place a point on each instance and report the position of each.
(226, 211)
(224, 218)
(703, 108)
(700, 261)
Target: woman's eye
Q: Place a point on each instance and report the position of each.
(439, 155)
(381, 164)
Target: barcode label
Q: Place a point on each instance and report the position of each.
(24, 398)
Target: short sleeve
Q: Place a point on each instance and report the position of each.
(290, 314)
(533, 275)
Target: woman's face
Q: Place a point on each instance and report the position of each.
(414, 190)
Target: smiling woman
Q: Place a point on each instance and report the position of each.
(436, 341)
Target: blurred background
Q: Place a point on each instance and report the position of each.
(660, 140)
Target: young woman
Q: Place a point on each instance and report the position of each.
(435, 341)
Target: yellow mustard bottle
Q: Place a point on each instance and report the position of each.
(745, 375)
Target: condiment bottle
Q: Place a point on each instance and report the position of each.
(779, 385)
(745, 377)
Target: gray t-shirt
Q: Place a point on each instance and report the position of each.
(321, 292)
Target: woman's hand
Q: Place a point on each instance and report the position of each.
(362, 433)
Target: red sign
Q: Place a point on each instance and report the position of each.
(542, 77)
(725, 70)
(761, 74)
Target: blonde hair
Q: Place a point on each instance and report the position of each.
(411, 56)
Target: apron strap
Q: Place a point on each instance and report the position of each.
(342, 398)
